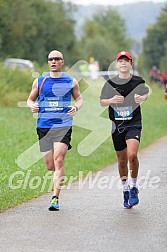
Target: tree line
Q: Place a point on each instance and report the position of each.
(30, 29)
(155, 44)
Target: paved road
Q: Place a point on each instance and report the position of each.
(94, 219)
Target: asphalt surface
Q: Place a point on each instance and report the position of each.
(92, 217)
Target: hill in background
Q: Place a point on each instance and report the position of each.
(138, 16)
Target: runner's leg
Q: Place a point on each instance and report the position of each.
(132, 149)
(60, 150)
(48, 160)
(122, 164)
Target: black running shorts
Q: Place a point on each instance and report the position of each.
(119, 137)
(47, 137)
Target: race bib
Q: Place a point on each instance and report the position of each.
(53, 103)
(123, 113)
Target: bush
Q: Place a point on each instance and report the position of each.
(14, 85)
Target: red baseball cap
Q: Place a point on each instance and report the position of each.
(125, 54)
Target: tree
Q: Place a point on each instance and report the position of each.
(30, 29)
(154, 44)
(104, 36)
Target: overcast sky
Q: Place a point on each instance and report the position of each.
(112, 2)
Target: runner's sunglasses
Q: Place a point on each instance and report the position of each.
(54, 58)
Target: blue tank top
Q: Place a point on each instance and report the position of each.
(53, 99)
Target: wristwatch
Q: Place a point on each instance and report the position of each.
(76, 108)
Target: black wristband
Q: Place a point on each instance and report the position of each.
(76, 108)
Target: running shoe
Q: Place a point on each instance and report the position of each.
(133, 196)
(54, 204)
(126, 199)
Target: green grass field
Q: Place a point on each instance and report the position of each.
(18, 133)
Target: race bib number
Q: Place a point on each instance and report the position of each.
(53, 103)
(123, 113)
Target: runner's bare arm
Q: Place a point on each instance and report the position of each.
(31, 101)
(140, 98)
(77, 97)
(115, 99)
